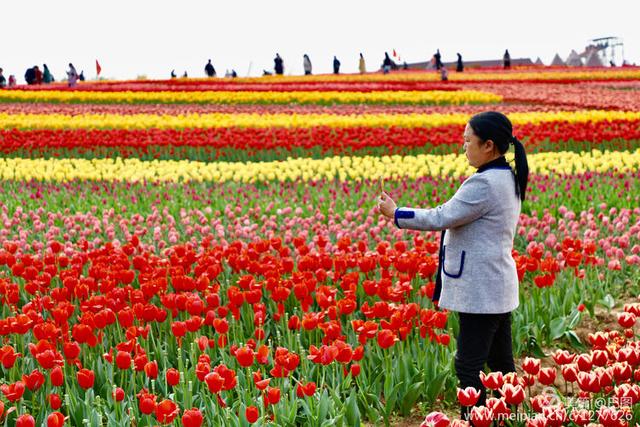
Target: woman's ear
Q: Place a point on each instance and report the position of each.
(489, 146)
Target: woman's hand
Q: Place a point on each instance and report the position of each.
(387, 206)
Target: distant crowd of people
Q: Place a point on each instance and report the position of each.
(36, 76)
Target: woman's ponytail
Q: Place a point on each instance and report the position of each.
(522, 167)
(495, 126)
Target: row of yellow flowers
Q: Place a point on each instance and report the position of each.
(343, 168)
(219, 120)
(249, 97)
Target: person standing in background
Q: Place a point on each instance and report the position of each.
(278, 65)
(438, 59)
(30, 75)
(3, 81)
(336, 65)
(72, 75)
(47, 77)
(306, 64)
(506, 59)
(209, 70)
(361, 65)
(460, 65)
(386, 64)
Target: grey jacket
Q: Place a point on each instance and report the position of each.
(479, 274)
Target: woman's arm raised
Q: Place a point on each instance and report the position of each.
(471, 201)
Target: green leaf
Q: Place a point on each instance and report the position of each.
(435, 386)
(391, 399)
(557, 327)
(607, 301)
(534, 347)
(574, 319)
(409, 399)
(323, 407)
(352, 412)
(574, 340)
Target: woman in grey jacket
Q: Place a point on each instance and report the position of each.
(477, 274)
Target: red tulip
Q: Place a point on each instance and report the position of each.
(118, 394)
(540, 401)
(556, 415)
(34, 380)
(481, 416)
(252, 414)
(147, 404)
(55, 402)
(493, 380)
(531, 366)
(13, 392)
(589, 381)
(435, 419)
(609, 416)
(626, 320)
(214, 382)
(8, 356)
(25, 420)
(86, 378)
(386, 338)
(355, 370)
(584, 362)
(166, 411)
(179, 329)
(123, 360)
(244, 355)
(547, 376)
(468, 396)
(192, 418)
(56, 376)
(151, 369)
(55, 419)
(627, 394)
(273, 395)
(599, 340)
(599, 357)
(173, 377)
(498, 407)
(513, 394)
(570, 372)
(622, 371)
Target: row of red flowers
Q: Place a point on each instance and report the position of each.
(131, 143)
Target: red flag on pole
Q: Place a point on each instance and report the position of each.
(98, 68)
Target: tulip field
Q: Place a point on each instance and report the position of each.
(195, 252)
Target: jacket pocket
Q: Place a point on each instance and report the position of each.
(451, 274)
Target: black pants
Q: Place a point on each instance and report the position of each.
(483, 338)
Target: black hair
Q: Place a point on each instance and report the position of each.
(496, 127)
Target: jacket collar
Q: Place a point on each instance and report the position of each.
(499, 163)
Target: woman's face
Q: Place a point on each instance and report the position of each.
(478, 153)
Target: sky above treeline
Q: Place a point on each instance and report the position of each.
(150, 38)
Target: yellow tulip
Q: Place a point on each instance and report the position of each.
(343, 168)
(434, 97)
